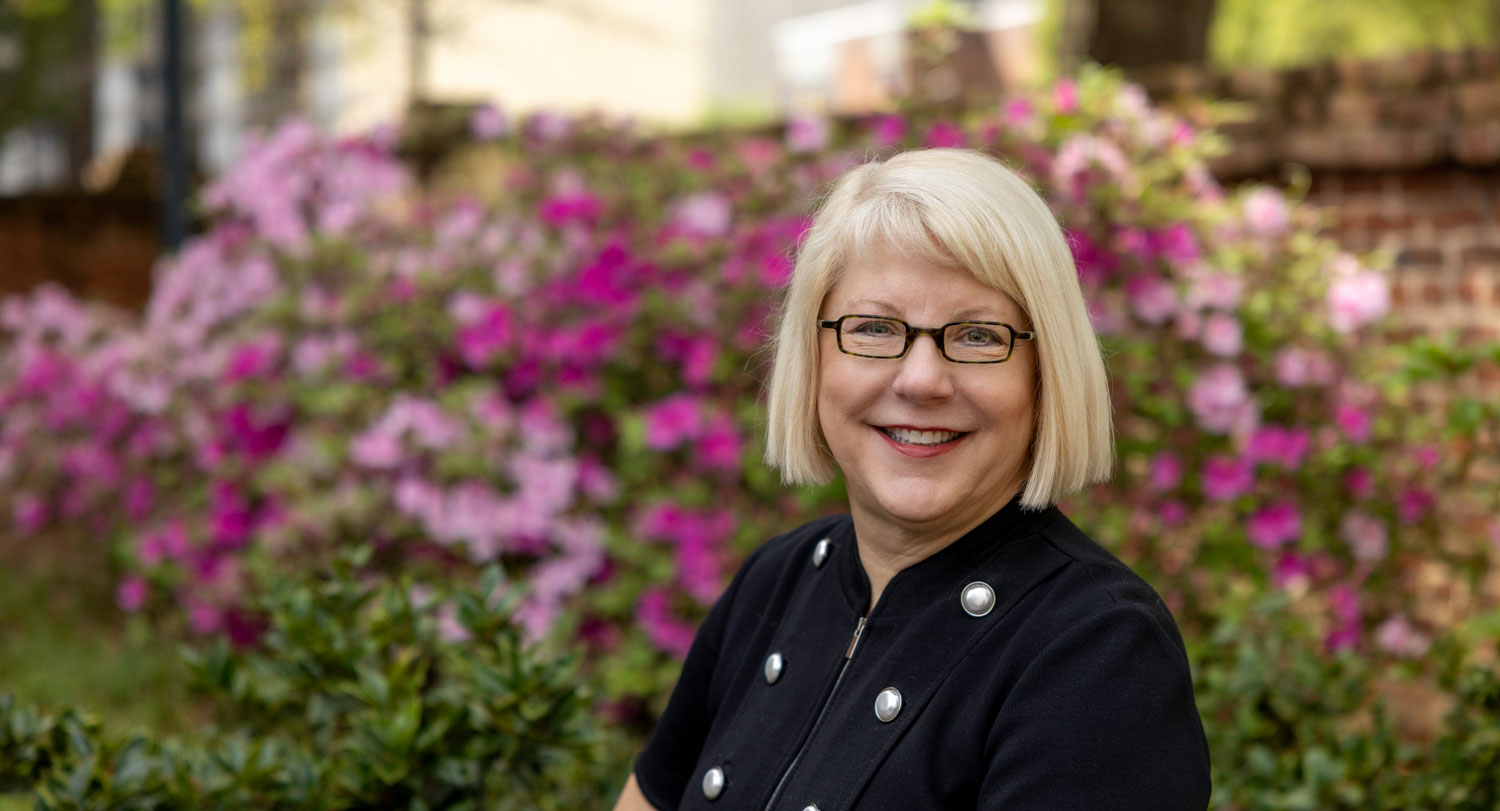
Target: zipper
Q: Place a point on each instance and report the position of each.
(848, 656)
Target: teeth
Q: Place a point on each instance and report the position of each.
(906, 436)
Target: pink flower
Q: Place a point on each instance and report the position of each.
(1365, 534)
(1226, 479)
(1172, 512)
(1152, 298)
(706, 213)
(1297, 367)
(30, 511)
(806, 133)
(1279, 445)
(252, 360)
(1018, 113)
(580, 206)
(699, 570)
(1276, 525)
(1356, 296)
(1220, 400)
(666, 632)
(1266, 212)
(1223, 335)
(131, 594)
(1065, 96)
(1399, 637)
(376, 449)
(669, 422)
(1094, 263)
(1166, 472)
(1217, 291)
(1354, 422)
(1360, 482)
(1414, 505)
(1427, 457)
(488, 123)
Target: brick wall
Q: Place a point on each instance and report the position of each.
(1403, 152)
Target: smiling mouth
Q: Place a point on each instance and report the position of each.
(910, 436)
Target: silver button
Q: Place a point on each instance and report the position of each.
(978, 598)
(820, 553)
(812, 807)
(887, 704)
(774, 664)
(713, 783)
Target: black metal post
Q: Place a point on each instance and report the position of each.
(173, 142)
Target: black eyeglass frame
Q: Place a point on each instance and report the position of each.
(936, 333)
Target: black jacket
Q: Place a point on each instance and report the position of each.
(1071, 692)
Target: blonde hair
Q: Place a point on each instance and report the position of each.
(950, 207)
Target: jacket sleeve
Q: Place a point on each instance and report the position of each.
(1103, 717)
(663, 768)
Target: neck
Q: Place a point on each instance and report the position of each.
(886, 548)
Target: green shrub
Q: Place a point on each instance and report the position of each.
(363, 695)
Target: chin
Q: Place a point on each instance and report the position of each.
(914, 505)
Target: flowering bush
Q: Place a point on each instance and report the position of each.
(550, 359)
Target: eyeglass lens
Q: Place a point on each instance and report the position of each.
(886, 338)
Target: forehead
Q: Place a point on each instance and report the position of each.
(883, 282)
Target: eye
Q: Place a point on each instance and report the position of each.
(979, 337)
(874, 329)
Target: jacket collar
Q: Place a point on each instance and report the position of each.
(923, 583)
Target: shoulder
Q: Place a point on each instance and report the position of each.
(1095, 589)
(786, 555)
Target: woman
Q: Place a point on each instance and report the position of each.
(954, 642)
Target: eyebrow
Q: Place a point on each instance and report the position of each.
(966, 314)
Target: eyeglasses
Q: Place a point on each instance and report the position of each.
(880, 336)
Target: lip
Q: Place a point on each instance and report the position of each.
(919, 451)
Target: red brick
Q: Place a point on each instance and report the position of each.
(1477, 143)
(1479, 100)
(1486, 256)
(1432, 107)
(1353, 107)
(1391, 222)
(1446, 219)
(1432, 293)
(1414, 258)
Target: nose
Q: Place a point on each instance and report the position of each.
(925, 375)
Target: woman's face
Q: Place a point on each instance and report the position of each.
(862, 402)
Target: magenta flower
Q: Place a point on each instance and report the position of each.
(1354, 422)
(1276, 525)
(1165, 472)
(1414, 505)
(1366, 535)
(1065, 96)
(140, 495)
(480, 340)
(720, 445)
(1360, 482)
(1018, 113)
(1220, 400)
(1216, 291)
(1172, 512)
(581, 207)
(1291, 568)
(666, 632)
(1226, 479)
(944, 134)
(1278, 445)
(888, 130)
(1344, 602)
(699, 569)
(673, 420)
(1178, 245)
(1095, 264)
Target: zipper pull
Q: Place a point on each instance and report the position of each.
(853, 642)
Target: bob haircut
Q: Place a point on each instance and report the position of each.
(950, 207)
